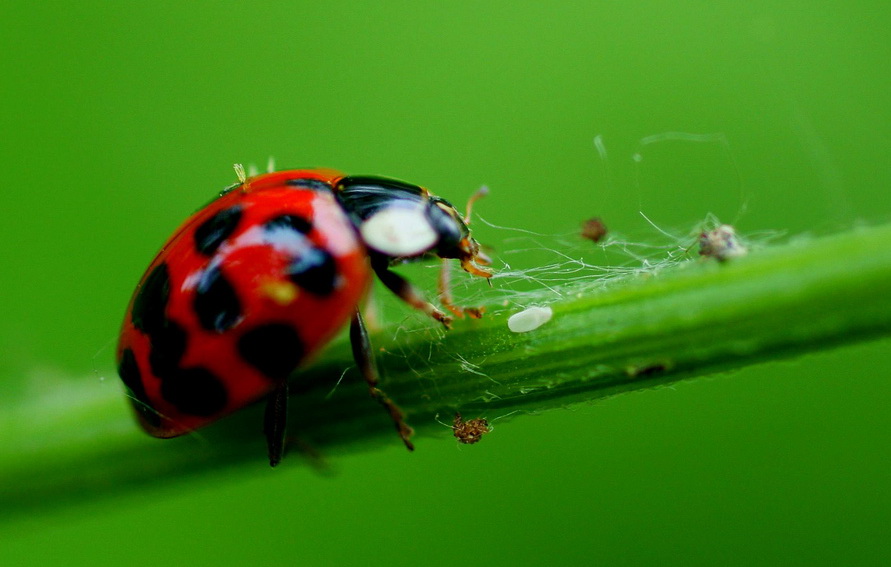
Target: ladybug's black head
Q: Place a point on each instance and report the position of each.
(404, 221)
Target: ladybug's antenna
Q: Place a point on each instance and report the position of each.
(480, 193)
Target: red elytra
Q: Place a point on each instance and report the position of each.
(254, 284)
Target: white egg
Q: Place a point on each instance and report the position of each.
(529, 319)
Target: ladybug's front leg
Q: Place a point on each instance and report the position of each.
(407, 292)
(275, 421)
(364, 357)
(445, 294)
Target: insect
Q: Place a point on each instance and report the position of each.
(254, 284)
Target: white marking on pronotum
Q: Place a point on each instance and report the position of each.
(399, 231)
(529, 319)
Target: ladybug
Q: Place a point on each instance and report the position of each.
(254, 284)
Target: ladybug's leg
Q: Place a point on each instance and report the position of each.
(445, 294)
(364, 357)
(407, 292)
(275, 421)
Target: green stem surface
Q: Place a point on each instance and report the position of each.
(75, 441)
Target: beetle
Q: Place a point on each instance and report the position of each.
(255, 283)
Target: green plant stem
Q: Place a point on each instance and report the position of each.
(691, 319)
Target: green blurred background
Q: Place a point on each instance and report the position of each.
(118, 119)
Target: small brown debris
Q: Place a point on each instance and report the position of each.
(470, 431)
(593, 229)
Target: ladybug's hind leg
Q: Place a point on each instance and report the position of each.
(275, 421)
(364, 357)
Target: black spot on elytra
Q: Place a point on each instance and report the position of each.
(314, 270)
(168, 345)
(215, 230)
(274, 349)
(289, 222)
(128, 370)
(216, 303)
(313, 184)
(311, 267)
(151, 301)
(195, 391)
